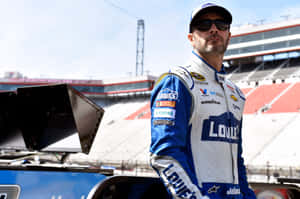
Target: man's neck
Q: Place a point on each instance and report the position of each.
(215, 60)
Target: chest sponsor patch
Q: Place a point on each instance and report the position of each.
(224, 128)
(234, 98)
(230, 87)
(164, 113)
(198, 76)
(165, 104)
(210, 102)
(236, 107)
(205, 92)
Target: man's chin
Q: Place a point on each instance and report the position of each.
(215, 49)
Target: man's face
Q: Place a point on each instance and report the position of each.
(211, 41)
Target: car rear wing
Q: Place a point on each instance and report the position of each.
(35, 117)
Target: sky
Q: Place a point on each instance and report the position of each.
(96, 39)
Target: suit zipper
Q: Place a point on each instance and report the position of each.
(230, 144)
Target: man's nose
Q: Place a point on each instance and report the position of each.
(213, 28)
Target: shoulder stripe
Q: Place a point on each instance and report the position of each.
(161, 78)
(192, 86)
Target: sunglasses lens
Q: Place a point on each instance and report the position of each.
(221, 25)
(205, 25)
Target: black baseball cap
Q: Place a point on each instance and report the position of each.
(210, 7)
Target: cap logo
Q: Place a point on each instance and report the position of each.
(207, 5)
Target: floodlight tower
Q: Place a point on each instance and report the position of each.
(139, 68)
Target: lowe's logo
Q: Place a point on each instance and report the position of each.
(224, 128)
(178, 184)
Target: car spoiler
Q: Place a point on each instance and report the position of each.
(33, 118)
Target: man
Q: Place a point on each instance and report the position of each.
(196, 118)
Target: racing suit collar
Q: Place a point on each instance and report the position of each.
(212, 72)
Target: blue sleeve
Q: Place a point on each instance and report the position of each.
(245, 189)
(171, 104)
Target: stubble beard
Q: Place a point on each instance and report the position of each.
(213, 47)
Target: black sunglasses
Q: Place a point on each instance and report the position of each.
(205, 25)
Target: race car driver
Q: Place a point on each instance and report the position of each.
(196, 118)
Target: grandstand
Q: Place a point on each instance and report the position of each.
(264, 60)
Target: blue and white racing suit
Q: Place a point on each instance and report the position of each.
(196, 145)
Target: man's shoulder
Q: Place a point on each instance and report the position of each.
(180, 72)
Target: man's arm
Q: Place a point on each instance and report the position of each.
(171, 104)
(245, 189)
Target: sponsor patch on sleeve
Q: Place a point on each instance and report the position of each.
(165, 104)
(168, 94)
(164, 113)
(164, 122)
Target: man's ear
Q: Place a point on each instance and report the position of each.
(229, 37)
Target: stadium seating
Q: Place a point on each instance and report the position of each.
(289, 102)
(124, 134)
(272, 140)
(262, 96)
(284, 73)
